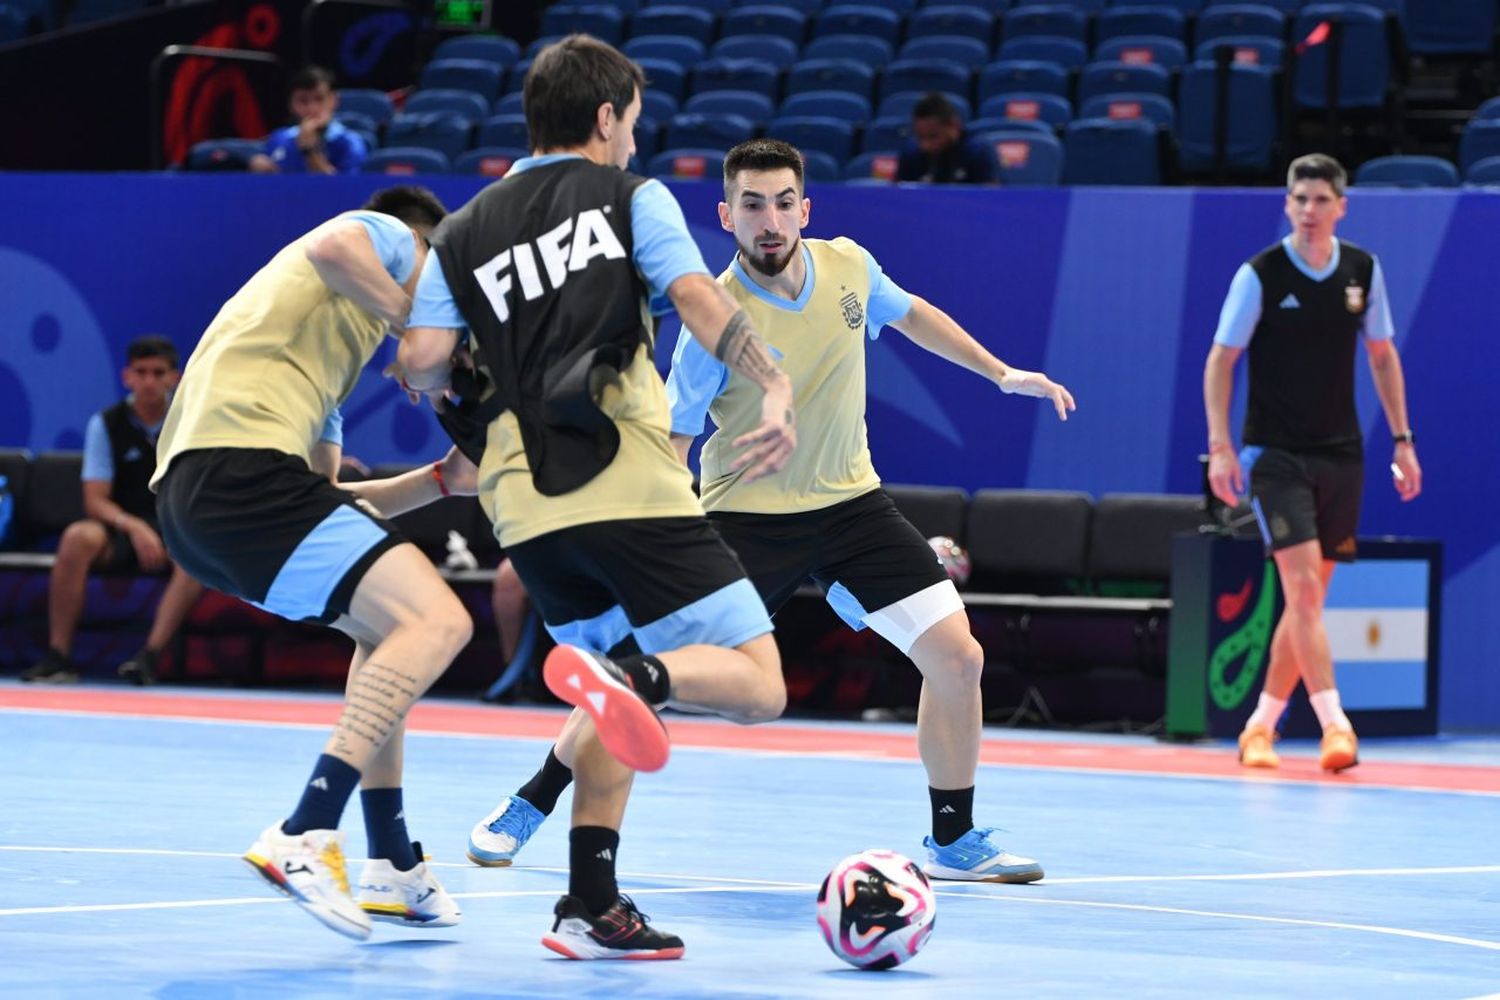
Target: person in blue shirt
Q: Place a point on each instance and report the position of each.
(317, 144)
(941, 152)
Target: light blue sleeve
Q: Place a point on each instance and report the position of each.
(333, 428)
(664, 251)
(1378, 325)
(433, 304)
(393, 243)
(888, 300)
(98, 458)
(696, 379)
(1241, 310)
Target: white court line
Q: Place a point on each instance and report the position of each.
(1257, 876)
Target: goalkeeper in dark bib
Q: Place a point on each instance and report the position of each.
(548, 279)
(825, 519)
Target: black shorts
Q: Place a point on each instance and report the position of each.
(262, 526)
(862, 552)
(119, 552)
(1302, 496)
(669, 581)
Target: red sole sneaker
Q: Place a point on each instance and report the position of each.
(628, 727)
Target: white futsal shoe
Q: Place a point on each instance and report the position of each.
(413, 898)
(309, 867)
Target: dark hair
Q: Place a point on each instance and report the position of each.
(413, 205)
(567, 82)
(1318, 167)
(152, 345)
(934, 105)
(762, 154)
(310, 78)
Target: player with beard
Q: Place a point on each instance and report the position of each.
(825, 516)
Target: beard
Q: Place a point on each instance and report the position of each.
(766, 264)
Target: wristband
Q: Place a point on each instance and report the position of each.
(1407, 438)
(437, 473)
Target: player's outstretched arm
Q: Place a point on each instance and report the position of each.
(420, 486)
(933, 330)
(717, 322)
(1225, 477)
(342, 254)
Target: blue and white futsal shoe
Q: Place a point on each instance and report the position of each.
(497, 838)
(974, 857)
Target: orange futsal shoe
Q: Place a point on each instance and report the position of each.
(1340, 750)
(628, 726)
(1255, 747)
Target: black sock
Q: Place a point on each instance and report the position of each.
(547, 784)
(649, 676)
(385, 828)
(952, 813)
(591, 866)
(323, 797)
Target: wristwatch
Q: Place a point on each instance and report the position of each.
(1408, 438)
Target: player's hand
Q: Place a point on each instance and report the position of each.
(1225, 477)
(1409, 482)
(149, 551)
(769, 446)
(1025, 383)
(460, 475)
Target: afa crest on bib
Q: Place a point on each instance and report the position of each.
(854, 311)
(1354, 298)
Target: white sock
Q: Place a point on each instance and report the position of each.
(1330, 711)
(1267, 712)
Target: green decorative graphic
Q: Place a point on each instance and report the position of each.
(1250, 640)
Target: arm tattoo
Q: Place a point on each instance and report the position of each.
(743, 350)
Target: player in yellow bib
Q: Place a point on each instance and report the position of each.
(824, 517)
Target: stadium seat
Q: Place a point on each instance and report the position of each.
(819, 167)
(1236, 19)
(659, 104)
(899, 105)
(1489, 109)
(14, 24)
(491, 161)
(1480, 141)
(222, 154)
(1117, 77)
(509, 104)
(833, 136)
(923, 75)
(53, 499)
(490, 48)
(858, 19)
(1191, 7)
(1022, 76)
(765, 19)
(831, 74)
(953, 21)
(808, 7)
(969, 52)
(779, 52)
(504, 130)
(932, 510)
(647, 138)
(749, 75)
(679, 49)
(664, 76)
(405, 160)
(1249, 50)
(604, 21)
(1049, 109)
(872, 166)
(1252, 117)
(831, 103)
(465, 104)
(1111, 151)
(1027, 157)
(886, 135)
(515, 77)
(376, 104)
(1153, 108)
(1027, 541)
(996, 7)
(1068, 53)
(1407, 171)
(756, 107)
(687, 164)
(996, 124)
(15, 467)
(1131, 534)
(537, 45)
(1485, 171)
(1450, 27)
(695, 131)
(442, 133)
(1364, 64)
(1046, 20)
(473, 75)
(1163, 21)
(866, 49)
(1286, 7)
(718, 8)
(900, 7)
(1168, 53)
(357, 122)
(687, 22)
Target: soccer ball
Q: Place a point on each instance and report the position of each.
(876, 909)
(952, 558)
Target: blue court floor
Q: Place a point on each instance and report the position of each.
(120, 837)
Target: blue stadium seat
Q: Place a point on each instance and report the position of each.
(665, 76)
(829, 103)
(490, 48)
(808, 7)
(858, 19)
(718, 8)
(402, 160)
(1287, 7)
(735, 74)
(1250, 50)
(1485, 171)
(1117, 77)
(504, 130)
(1239, 19)
(1364, 66)
(1407, 171)
(1049, 109)
(538, 45)
(1489, 109)
(922, 75)
(458, 103)
(356, 121)
(970, 52)
(13, 24)
(1480, 141)
(996, 7)
(1014, 76)
(515, 77)
(896, 105)
(780, 52)
(1252, 117)
(834, 136)
(1087, 6)
(756, 107)
(880, 165)
(1186, 6)
(952, 20)
(647, 139)
(819, 167)
(1153, 108)
(222, 154)
(443, 133)
(491, 161)
(688, 22)
(659, 104)
(981, 125)
(831, 74)
(473, 75)
(1046, 20)
(603, 21)
(865, 49)
(1027, 157)
(765, 19)
(884, 135)
(900, 7)
(687, 164)
(1069, 53)
(509, 104)
(1166, 21)
(685, 131)
(679, 49)
(1450, 27)
(376, 104)
(1103, 151)
(1167, 53)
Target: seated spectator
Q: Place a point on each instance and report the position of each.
(118, 531)
(941, 151)
(317, 144)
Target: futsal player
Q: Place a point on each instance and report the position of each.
(551, 270)
(1298, 308)
(825, 517)
(244, 463)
